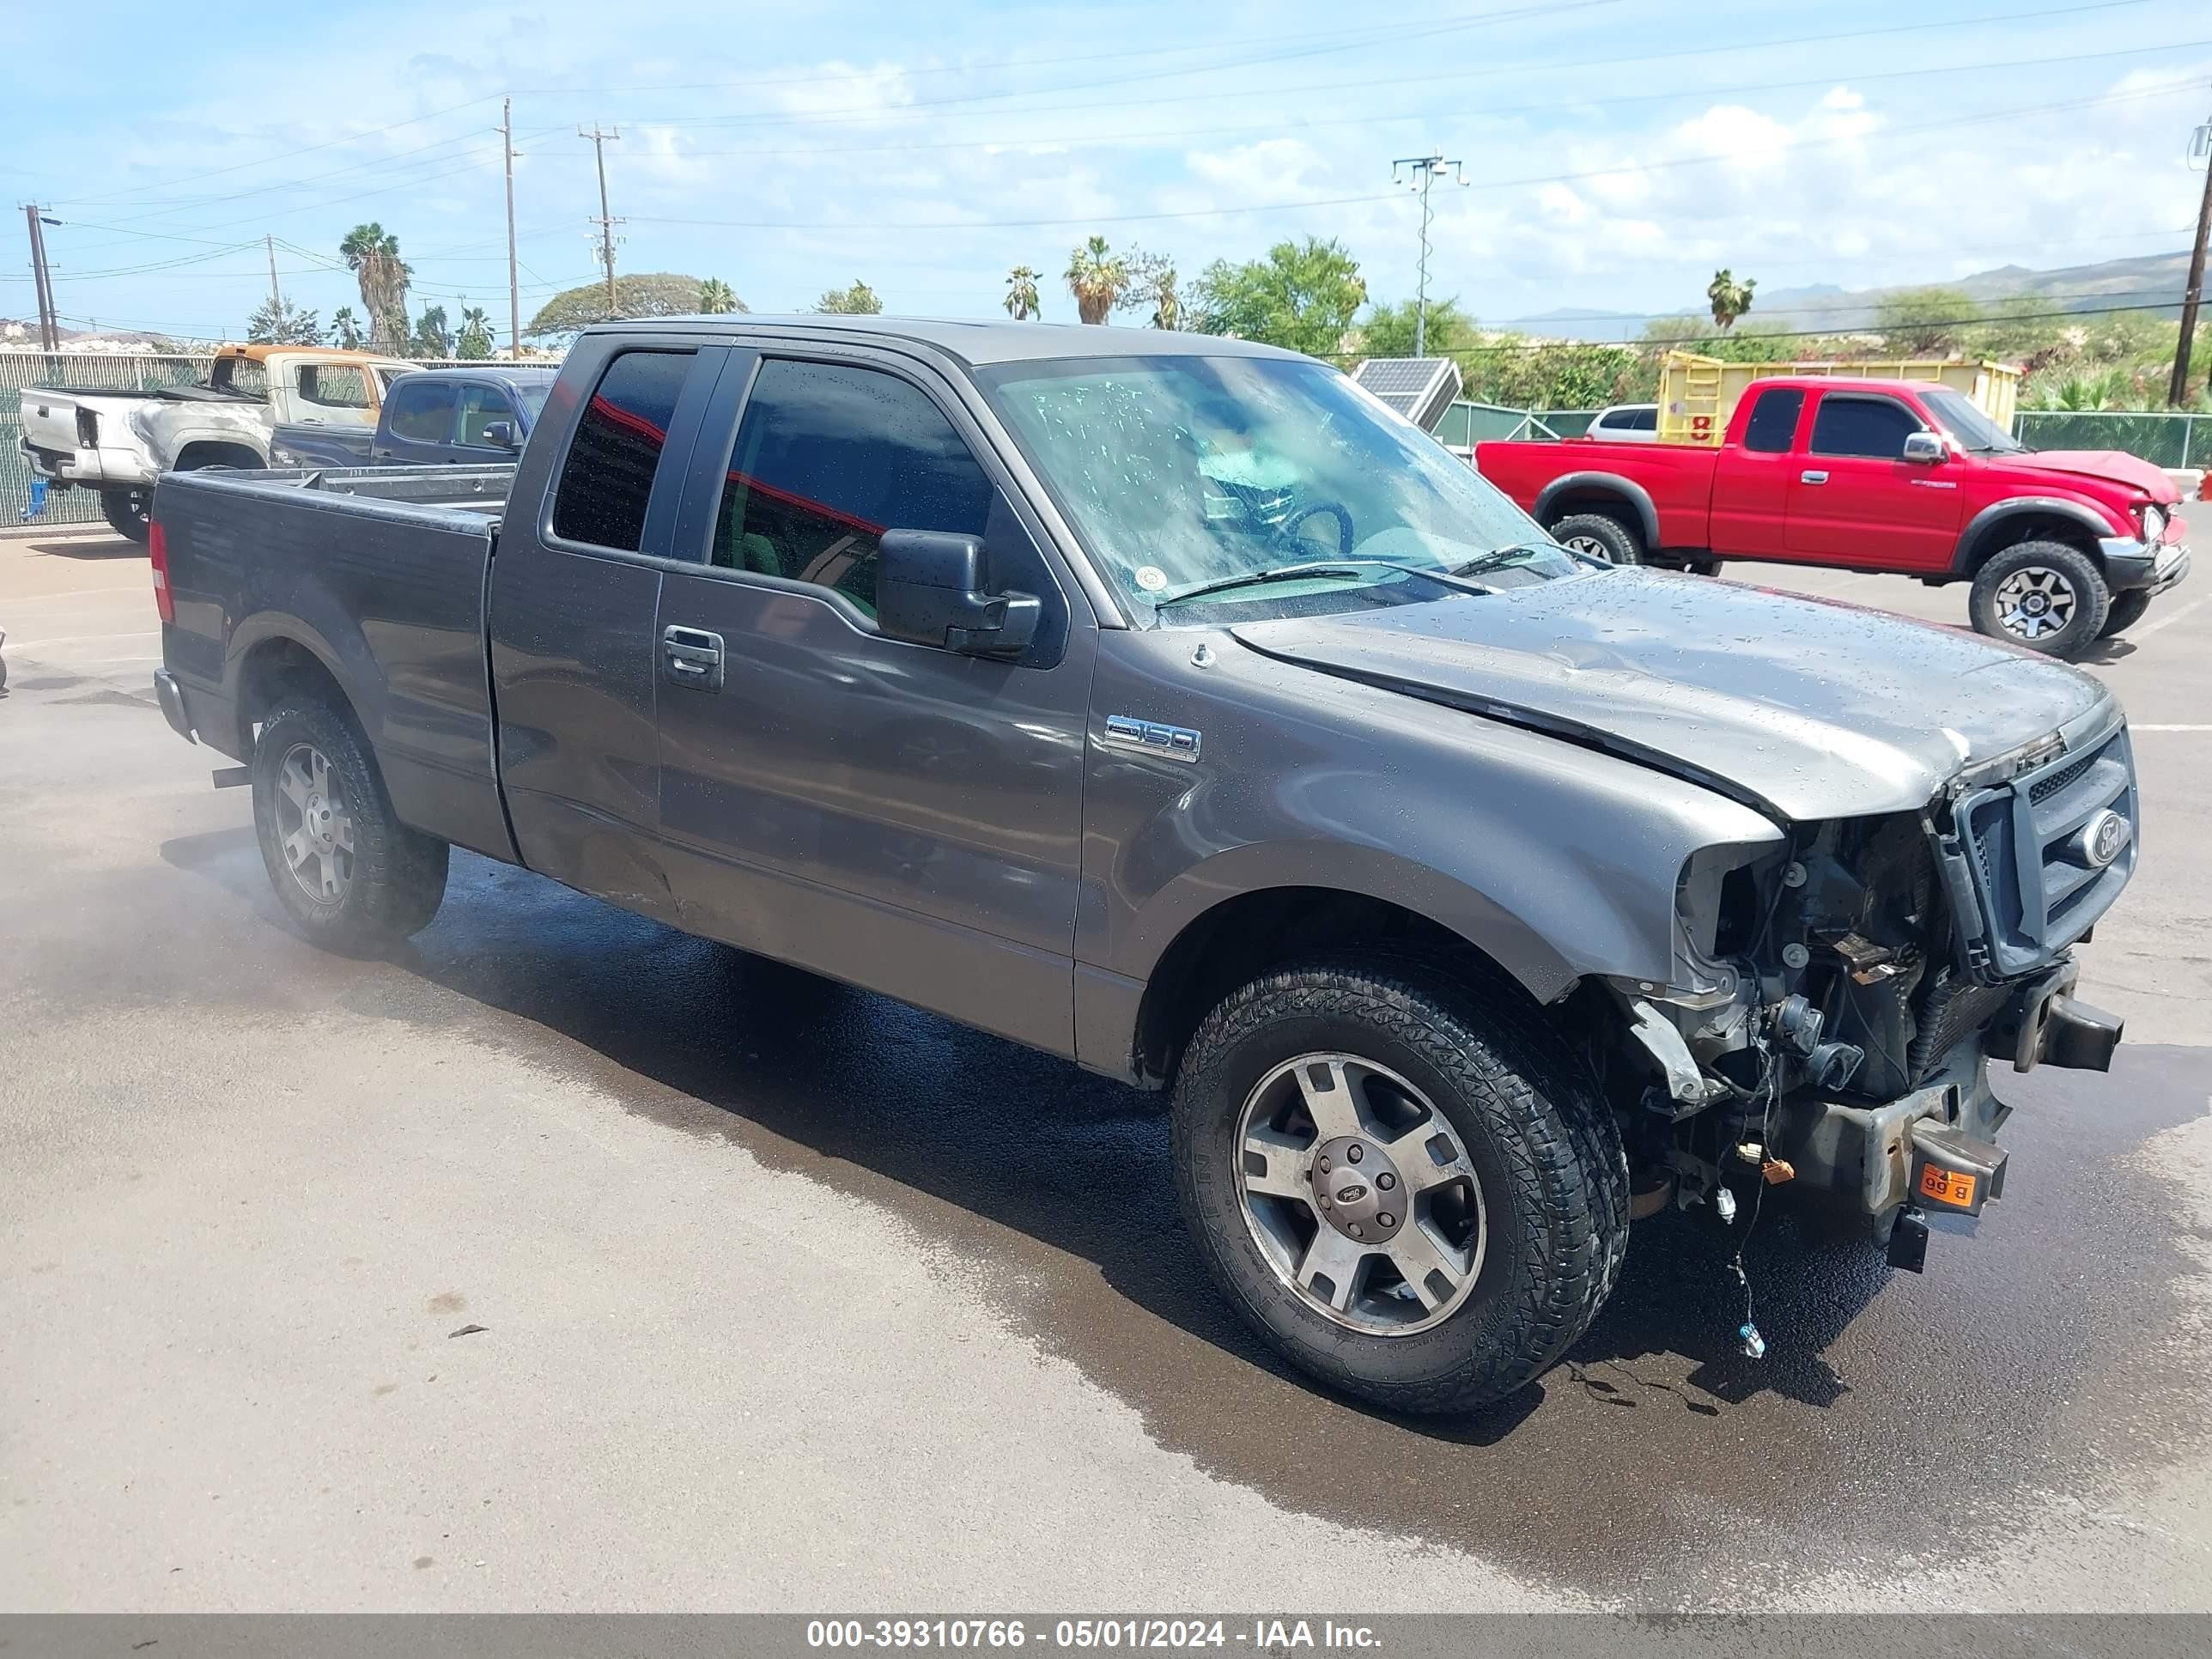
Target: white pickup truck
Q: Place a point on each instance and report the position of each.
(118, 443)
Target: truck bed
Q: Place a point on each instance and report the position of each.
(381, 572)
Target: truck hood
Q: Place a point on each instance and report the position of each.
(1806, 708)
(2113, 466)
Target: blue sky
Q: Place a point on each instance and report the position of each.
(1616, 150)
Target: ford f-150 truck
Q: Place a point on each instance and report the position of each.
(2062, 548)
(459, 416)
(117, 443)
(1164, 702)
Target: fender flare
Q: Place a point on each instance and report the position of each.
(1980, 528)
(1628, 490)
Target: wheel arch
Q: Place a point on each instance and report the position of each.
(1600, 492)
(278, 666)
(202, 452)
(2029, 518)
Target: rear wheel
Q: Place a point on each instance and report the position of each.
(2045, 595)
(1405, 1183)
(127, 512)
(352, 877)
(2127, 610)
(1600, 536)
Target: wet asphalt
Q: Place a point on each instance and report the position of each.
(1044, 1395)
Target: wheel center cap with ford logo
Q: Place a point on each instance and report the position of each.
(1356, 1188)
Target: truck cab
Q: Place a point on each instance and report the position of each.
(434, 416)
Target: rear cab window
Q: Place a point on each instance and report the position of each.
(607, 476)
(1773, 424)
(420, 411)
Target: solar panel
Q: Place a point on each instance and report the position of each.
(1419, 388)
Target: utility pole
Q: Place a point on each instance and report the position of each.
(276, 294)
(2176, 390)
(42, 280)
(605, 223)
(513, 291)
(1418, 173)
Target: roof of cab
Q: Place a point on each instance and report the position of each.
(491, 369)
(261, 354)
(975, 344)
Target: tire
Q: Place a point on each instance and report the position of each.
(2127, 610)
(1527, 1134)
(2046, 595)
(1600, 535)
(127, 512)
(1702, 567)
(364, 881)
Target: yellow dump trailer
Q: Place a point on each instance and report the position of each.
(1697, 394)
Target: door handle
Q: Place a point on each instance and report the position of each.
(691, 657)
(1812, 477)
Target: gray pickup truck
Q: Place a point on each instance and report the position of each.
(1165, 703)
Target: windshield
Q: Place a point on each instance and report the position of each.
(1964, 420)
(1183, 474)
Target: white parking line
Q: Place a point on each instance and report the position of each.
(80, 593)
(2169, 619)
(79, 639)
(2133, 728)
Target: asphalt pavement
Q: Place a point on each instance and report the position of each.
(562, 1262)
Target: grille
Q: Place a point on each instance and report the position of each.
(2037, 892)
(1955, 1006)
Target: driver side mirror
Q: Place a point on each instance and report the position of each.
(1925, 449)
(930, 591)
(500, 434)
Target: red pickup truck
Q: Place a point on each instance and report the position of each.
(2063, 548)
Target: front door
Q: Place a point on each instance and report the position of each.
(893, 815)
(574, 597)
(1855, 499)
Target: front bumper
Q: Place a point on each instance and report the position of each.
(2131, 564)
(1865, 1155)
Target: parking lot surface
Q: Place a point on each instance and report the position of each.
(563, 1261)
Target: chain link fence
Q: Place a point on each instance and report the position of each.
(2168, 440)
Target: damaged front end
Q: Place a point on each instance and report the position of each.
(1834, 1001)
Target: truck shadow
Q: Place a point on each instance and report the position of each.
(1056, 1188)
(99, 547)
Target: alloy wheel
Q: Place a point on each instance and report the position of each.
(2035, 602)
(1360, 1194)
(314, 824)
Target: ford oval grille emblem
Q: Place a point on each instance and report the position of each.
(2104, 838)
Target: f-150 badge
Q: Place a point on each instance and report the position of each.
(1170, 742)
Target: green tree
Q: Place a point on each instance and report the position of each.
(431, 338)
(279, 322)
(857, 301)
(1924, 322)
(475, 340)
(372, 254)
(1388, 330)
(1098, 278)
(654, 293)
(1152, 286)
(717, 299)
(345, 329)
(1302, 296)
(1021, 302)
(1729, 299)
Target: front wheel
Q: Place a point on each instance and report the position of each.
(127, 512)
(1406, 1183)
(1600, 536)
(2127, 610)
(352, 877)
(2045, 595)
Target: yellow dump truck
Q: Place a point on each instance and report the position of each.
(1697, 394)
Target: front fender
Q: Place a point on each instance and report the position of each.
(1983, 530)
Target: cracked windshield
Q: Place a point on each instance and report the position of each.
(1238, 488)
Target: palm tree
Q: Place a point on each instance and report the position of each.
(1730, 299)
(1022, 303)
(717, 297)
(345, 329)
(475, 339)
(1097, 278)
(1167, 304)
(373, 254)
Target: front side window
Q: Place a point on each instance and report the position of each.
(333, 385)
(1206, 487)
(480, 406)
(607, 479)
(827, 459)
(1872, 428)
(1773, 423)
(422, 411)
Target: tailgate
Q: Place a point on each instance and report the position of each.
(50, 419)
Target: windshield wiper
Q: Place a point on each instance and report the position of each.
(1499, 556)
(1284, 573)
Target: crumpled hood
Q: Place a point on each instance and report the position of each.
(1818, 709)
(2113, 466)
